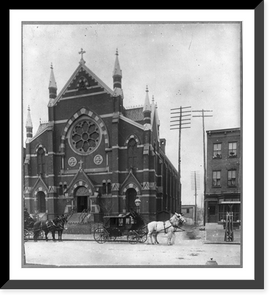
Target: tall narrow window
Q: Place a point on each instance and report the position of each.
(232, 149)
(217, 178)
(104, 191)
(41, 161)
(231, 181)
(109, 187)
(217, 150)
(132, 154)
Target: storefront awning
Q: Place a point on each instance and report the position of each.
(229, 202)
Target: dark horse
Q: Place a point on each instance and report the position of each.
(57, 224)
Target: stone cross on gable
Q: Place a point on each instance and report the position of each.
(80, 163)
(81, 52)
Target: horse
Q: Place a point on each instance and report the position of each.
(169, 227)
(57, 224)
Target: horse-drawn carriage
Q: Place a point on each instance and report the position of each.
(38, 227)
(132, 227)
(129, 226)
(29, 221)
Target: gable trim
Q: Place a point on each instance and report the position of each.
(80, 179)
(42, 187)
(78, 69)
(131, 182)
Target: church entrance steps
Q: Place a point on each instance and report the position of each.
(78, 218)
(81, 228)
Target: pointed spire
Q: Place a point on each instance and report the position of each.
(117, 71)
(29, 126)
(117, 74)
(147, 106)
(52, 84)
(29, 119)
(147, 109)
(157, 115)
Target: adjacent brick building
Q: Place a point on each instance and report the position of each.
(224, 180)
(94, 154)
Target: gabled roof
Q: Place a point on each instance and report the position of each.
(135, 114)
(79, 69)
(40, 183)
(131, 181)
(42, 128)
(80, 176)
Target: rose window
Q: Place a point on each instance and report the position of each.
(85, 136)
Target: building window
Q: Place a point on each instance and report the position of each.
(217, 150)
(216, 178)
(132, 154)
(232, 149)
(41, 161)
(60, 190)
(231, 181)
(109, 187)
(104, 191)
(85, 137)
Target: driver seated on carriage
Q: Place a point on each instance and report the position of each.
(28, 219)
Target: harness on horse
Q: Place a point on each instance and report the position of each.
(165, 228)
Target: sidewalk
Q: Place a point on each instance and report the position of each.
(216, 236)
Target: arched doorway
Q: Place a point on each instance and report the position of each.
(82, 195)
(41, 202)
(131, 195)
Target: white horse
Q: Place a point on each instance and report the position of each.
(169, 227)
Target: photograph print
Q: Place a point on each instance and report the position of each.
(132, 144)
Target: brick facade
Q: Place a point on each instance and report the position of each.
(224, 184)
(91, 152)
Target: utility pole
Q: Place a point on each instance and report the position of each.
(195, 185)
(203, 115)
(181, 119)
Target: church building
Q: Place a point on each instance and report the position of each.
(95, 155)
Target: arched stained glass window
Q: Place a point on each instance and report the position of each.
(40, 161)
(132, 153)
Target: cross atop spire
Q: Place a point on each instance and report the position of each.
(81, 52)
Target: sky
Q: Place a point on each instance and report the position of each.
(183, 64)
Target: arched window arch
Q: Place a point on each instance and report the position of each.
(41, 202)
(40, 161)
(132, 154)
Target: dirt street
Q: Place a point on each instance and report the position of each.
(90, 253)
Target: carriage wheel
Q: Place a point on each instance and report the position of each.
(100, 235)
(132, 237)
(142, 236)
(27, 234)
